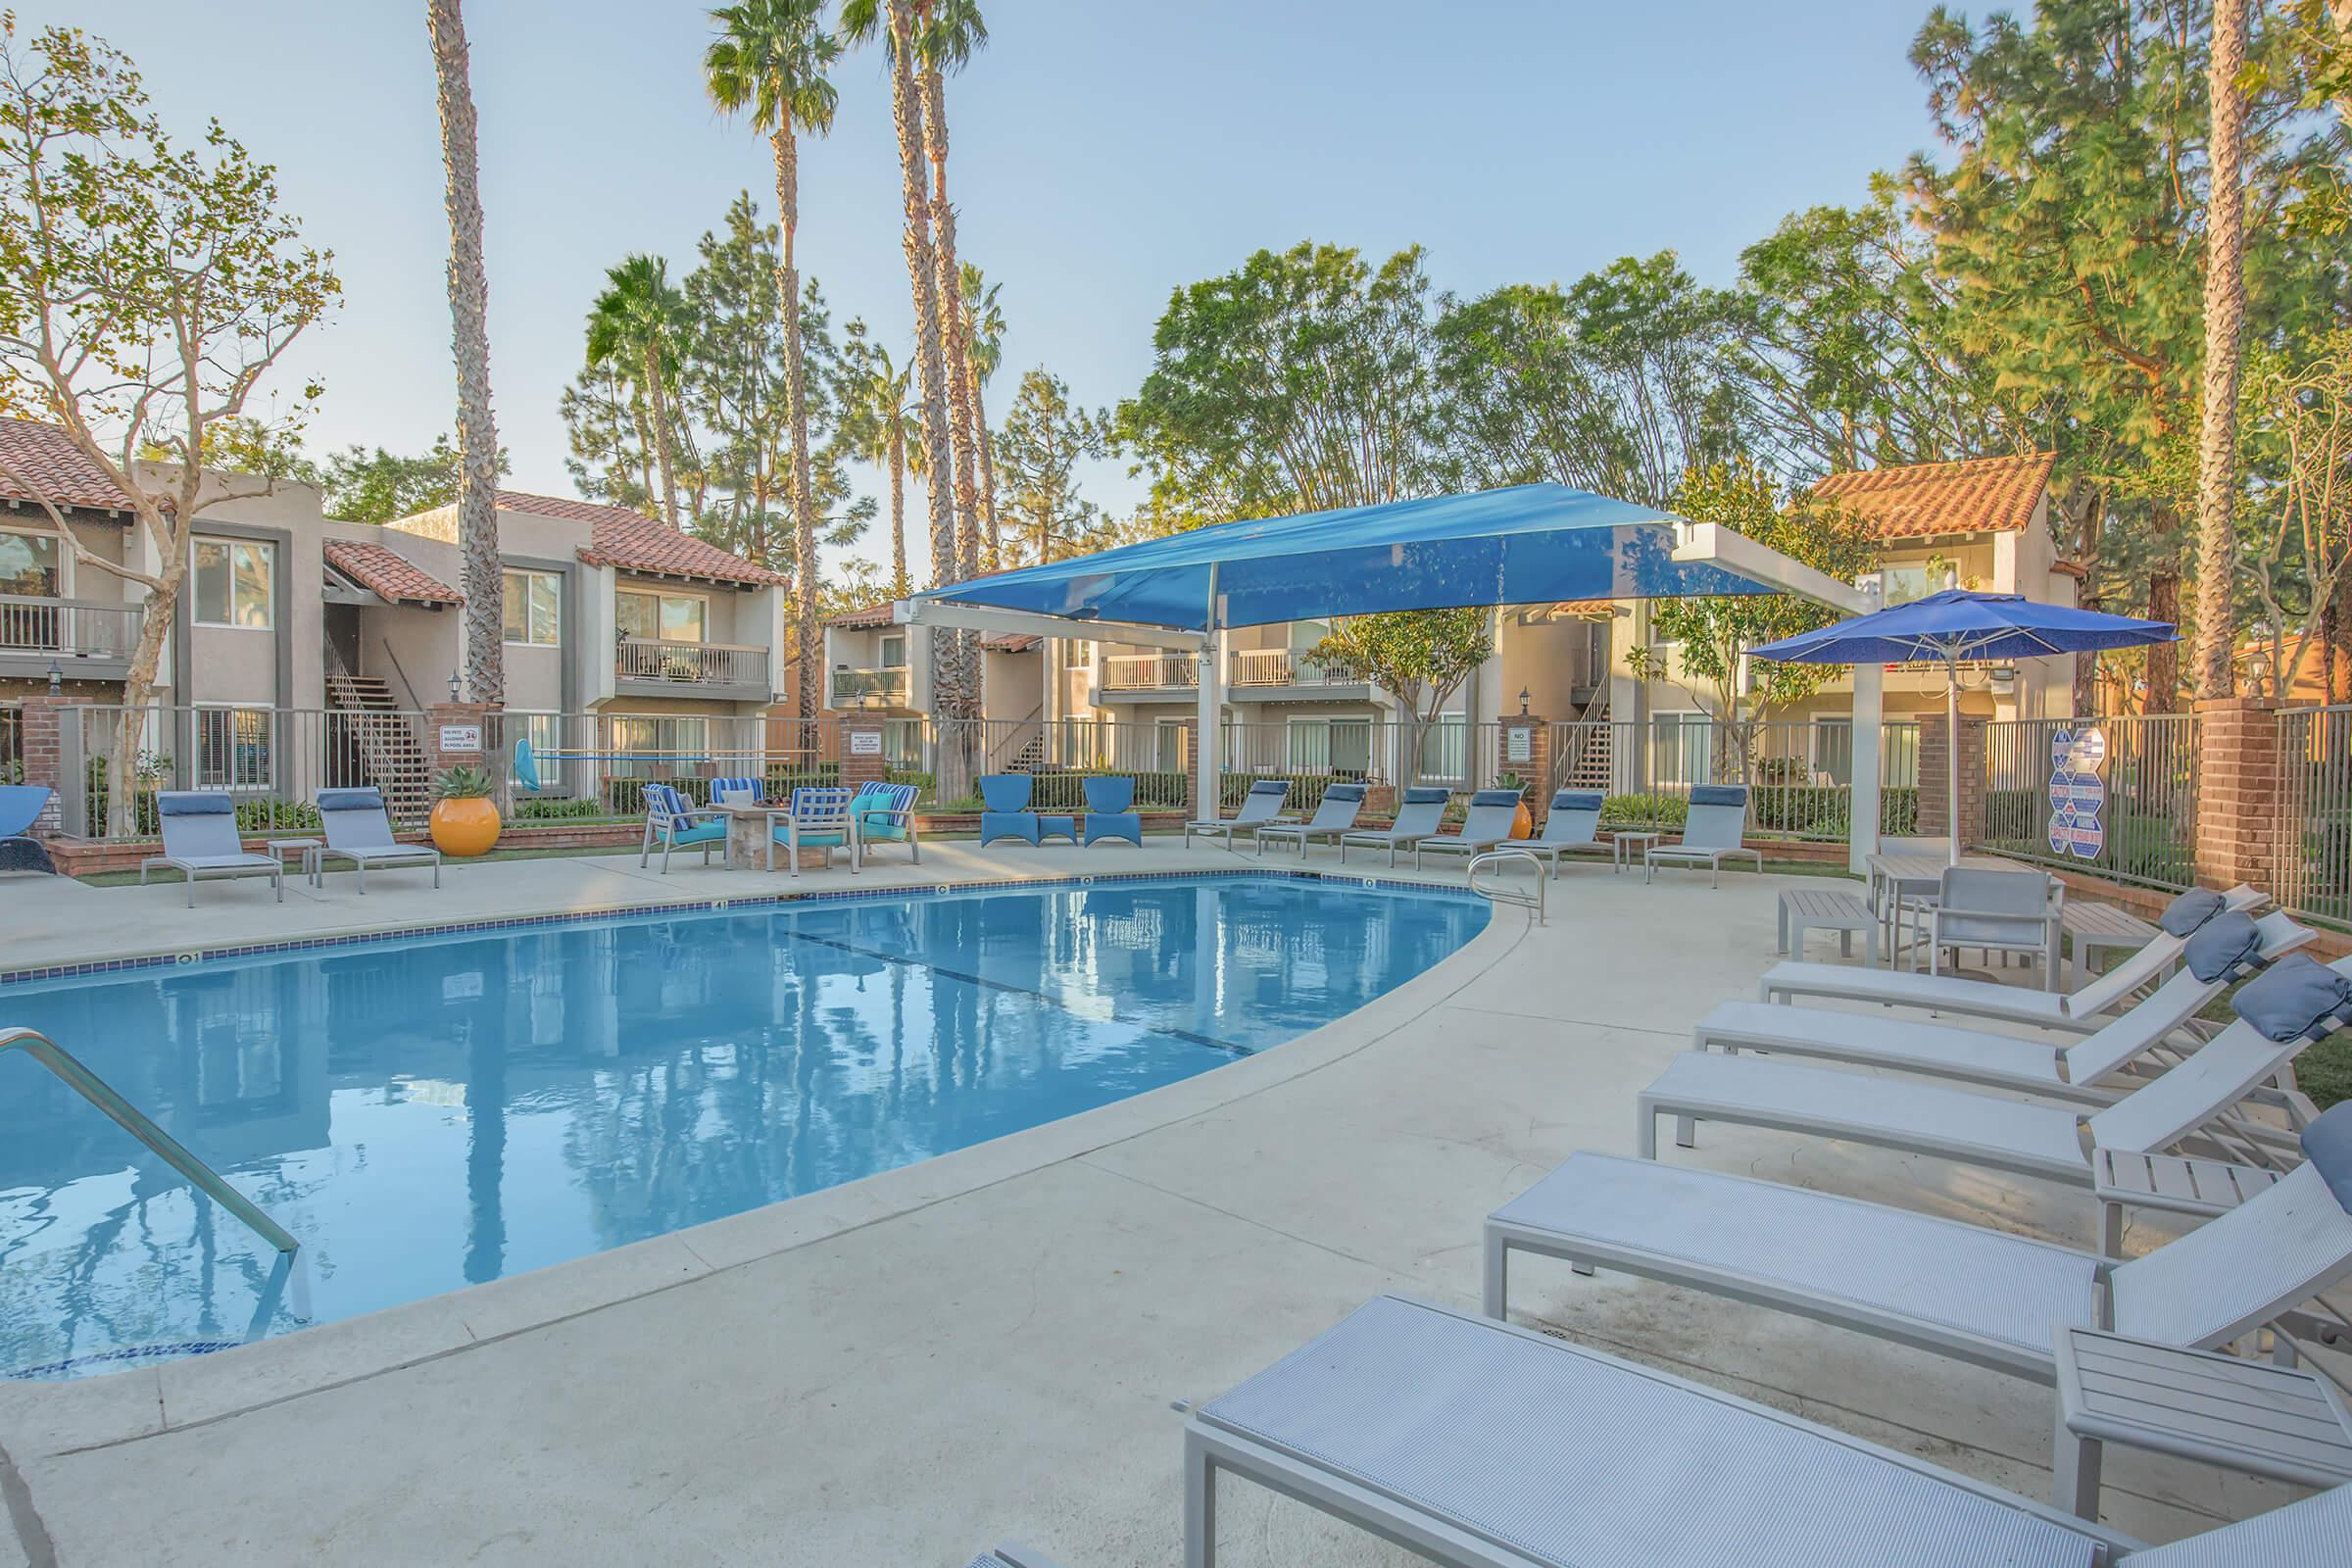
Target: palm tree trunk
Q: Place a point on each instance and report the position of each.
(661, 422)
(922, 268)
(2225, 334)
(469, 323)
(796, 414)
(955, 350)
(897, 509)
(988, 468)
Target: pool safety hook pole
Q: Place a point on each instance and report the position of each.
(94, 1089)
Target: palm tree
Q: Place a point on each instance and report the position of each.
(886, 426)
(2225, 339)
(951, 31)
(469, 323)
(636, 321)
(984, 351)
(770, 57)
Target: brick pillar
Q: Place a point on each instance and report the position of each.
(861, 753)
(1191, 772)
(1523, 746)
(41, 747)
(1935, 812)
(2237, 793)
(451, 717)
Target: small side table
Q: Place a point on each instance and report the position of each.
(306, 849)
(1056, 827)
(2171, 1181)
(1622, 846)
(2099, 929)
(2225, 1410)
(1804, 909)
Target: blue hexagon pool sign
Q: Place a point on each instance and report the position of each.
(2078, 795)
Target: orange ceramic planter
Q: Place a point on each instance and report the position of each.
(464, 827)
(1523, 827)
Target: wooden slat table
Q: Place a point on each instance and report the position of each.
(2170, 1182)
(1805, 910)
(2194, 1404)
(2099, 928)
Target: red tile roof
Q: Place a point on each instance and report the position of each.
(634, 542)
(1010, 642)
(1980, 495)
(40, 455)
(871, 618)
(391, 575)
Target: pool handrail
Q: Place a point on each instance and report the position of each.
(94, 1089)
(1526, 901)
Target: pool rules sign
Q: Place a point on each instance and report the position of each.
(2078, 795)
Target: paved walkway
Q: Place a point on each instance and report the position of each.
(988, 1344)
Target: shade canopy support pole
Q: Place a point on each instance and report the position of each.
(1208, 738)
(1869, 733)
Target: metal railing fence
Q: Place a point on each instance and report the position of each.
(2148, 822)
(2313, 858)
(1798, 772)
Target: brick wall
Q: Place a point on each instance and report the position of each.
(1934, 810)
(2239, 801)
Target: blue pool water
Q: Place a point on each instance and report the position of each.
(428, 1113)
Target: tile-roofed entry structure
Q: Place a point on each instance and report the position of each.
(872, 618)
(38, 457)
(633, 542)
(1980, 495)
(387, 574)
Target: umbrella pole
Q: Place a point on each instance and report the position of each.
(1951, 755)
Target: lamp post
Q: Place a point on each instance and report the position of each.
(1523, 702)
(56, 679)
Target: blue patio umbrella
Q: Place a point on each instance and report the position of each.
(1959, 625)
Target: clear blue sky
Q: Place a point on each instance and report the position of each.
(1103, 153)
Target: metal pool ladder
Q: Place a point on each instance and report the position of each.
(94, 1089)
(1501, 895)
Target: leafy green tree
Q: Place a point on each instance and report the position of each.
(372, 484)
(1714, 634)
(635, 325)
(146, 290)
(1299, 382)
(984, 333)
(770, 58)
(1420, 658)
(1038, 450)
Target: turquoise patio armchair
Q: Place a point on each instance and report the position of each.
(1004, 809)
(675, 826)
(819, 819)
(885, 815)
(1110, 809)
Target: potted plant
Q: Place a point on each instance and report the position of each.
(1523, 826)
(465, 820)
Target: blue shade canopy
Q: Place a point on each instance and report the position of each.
(1961, 625)
(1528, 544)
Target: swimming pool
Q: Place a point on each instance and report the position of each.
(428, 1112)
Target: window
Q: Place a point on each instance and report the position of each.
(903, 743)
(666, 618)
(1077, 653)
(232, 748)
(233, 584)
(534, 608)
(659, 748)
(1834, 749)
(893, 651)
(1445, 748)
(28, 564)
(1168, 737)
(1904, 583)
(1337, 746)
(1679, 747)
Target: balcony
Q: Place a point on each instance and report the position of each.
(86, 640)
(1265, 675)
(869, 688)
(1147, 672)
(650, 666)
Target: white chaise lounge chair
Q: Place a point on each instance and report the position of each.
(200, 840)
(1980, 1295)
(1486, 824)
(2077, 1010)
(2086, 1070)
(2279, 1012)
(1335, 814)
(1420, 812)
(359, 830)
(1570, 827)
(1483, 1446)
(1711, 830)
(1262, 806)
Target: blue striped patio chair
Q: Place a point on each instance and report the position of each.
(819, 819)
(885, 815)
(675, 826)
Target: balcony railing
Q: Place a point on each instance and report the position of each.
(869, 688)
(70, 627)
(1149, 672)
(682, 664)
(1280, 666)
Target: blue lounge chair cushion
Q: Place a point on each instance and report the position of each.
(194, 803)
(2298, 999)
(2328, 1145)
(1495, 797)
(1005, 792)
(2224, 947)
(1577, 800)
(699, 833)
(1718, 794)
(2190, 911)
(1344, 792)
(1426, 795)
(367, 799)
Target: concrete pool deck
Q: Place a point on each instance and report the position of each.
(988, 1344)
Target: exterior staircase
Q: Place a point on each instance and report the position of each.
(1586, 749)
(371, 733)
